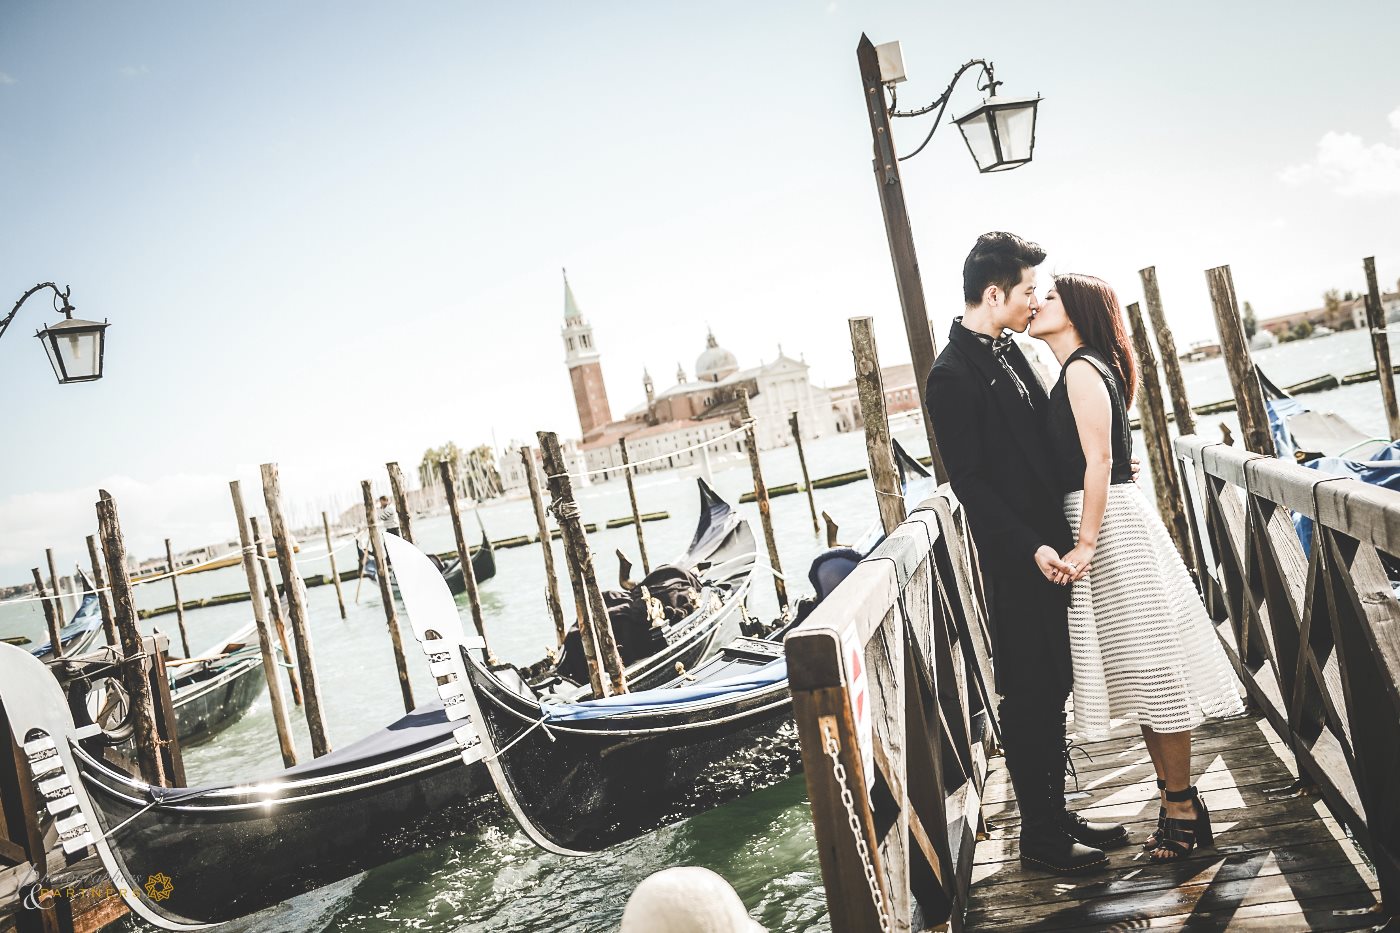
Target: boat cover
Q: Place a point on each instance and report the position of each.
(87, 617)
(1383, 470)
(663, 699)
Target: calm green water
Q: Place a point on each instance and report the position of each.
(495, 880)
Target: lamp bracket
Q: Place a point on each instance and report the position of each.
(67, 309)
(940, 103)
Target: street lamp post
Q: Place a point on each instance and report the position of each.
(74, 347)
(1000, 135)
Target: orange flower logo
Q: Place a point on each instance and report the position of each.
(159, 886)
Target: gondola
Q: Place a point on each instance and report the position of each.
(79, 633)
(1303, 434)
(233, 849)
(582, 776)
(483, 565)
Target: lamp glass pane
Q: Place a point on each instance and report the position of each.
(52, 351)
(977, 131)
(1016, 131)
(79, 353)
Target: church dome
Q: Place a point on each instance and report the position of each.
(715, 363)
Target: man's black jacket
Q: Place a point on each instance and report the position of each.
(998, 456)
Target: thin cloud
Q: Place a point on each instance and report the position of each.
(6, 79)
(132, 71)
(1350, 166)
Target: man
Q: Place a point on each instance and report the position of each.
(387, 516)
(987, 408)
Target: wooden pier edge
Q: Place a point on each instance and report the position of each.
(878, 659)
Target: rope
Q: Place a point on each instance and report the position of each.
(512, 742)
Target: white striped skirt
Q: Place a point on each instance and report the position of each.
(1143, 648)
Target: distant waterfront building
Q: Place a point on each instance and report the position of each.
(668, 425)
(511, 467)
(1350, 313)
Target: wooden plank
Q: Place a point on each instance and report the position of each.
(1366, 513)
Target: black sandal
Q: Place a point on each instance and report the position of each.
(1180, 838)
(1150, 842)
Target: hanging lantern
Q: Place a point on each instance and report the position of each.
(75, 349)
(1000, 133)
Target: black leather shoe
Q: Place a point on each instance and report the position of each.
(1048, 846)
(1090, 833)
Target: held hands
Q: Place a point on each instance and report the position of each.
(1137, 467)
(1079, 560)
(1055, 570)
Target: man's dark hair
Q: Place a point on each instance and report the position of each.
(998, 259)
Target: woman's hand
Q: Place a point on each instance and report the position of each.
(1078, 560)
(1050, 564)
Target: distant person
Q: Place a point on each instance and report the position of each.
(988, 412)
(387, 516)
(1142, 646)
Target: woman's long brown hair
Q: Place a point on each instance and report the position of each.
(1093, 309)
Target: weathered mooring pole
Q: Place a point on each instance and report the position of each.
(179, 606)
(879, 452)
(606, 673)
(269, 652)
(795, 427)
(1171, 361)
(104, 596)
(760, 494)
(386, 591)
(133, 668)
(632, 497)
(296, 610)
(1380, 346)
(335, 574)
(1249, 396)
(527, 454)
(464, 554)
(279, 617)
(50, 617)
(1157, 438)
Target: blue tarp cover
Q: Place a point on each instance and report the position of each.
(1383, 470)
(668, 698)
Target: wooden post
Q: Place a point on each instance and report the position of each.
(636, 513)
(50, 617)
(1171, 362)
(527, 454)
(870, 390)
(54, 597)
(1157, 438)
(133, 672)
(806, 479)
(179, 606)
(901, 239)
(1249, 397)
(335, 574)
(278, 616)
(386, 587)
(449, 483)
(1380, 345)
(296, 609)
(360, 577)
(760, 494)
(594, 624)
(104, 598)
(400, 503)
(269, 653)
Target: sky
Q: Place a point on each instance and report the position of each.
(329, 235)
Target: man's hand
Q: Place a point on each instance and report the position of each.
(1137, 467)
(1055, 570)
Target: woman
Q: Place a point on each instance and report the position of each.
(1143, 648)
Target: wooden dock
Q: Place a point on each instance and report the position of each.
(1280, 860)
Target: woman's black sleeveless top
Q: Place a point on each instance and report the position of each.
(1064, 432)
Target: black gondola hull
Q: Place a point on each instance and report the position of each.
(207, 705)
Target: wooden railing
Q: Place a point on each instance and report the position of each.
(1314, 636)
(890, 681)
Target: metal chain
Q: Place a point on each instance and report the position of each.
(838, 770)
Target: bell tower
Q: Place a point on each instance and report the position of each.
(585, 370)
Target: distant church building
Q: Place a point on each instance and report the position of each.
(671, 423)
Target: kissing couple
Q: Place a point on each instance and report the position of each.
(1085, 590)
